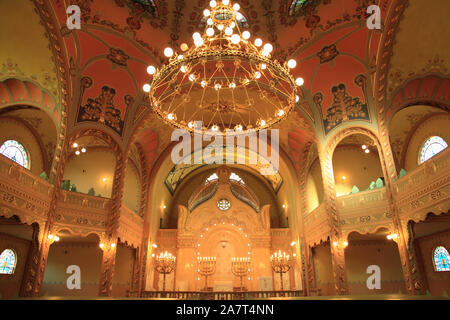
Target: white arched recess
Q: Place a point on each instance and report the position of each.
(159, 197)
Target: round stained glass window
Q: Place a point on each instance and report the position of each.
(15, 151)
(223, 204)
(431, 147)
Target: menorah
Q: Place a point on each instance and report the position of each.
(165, 264)
(280, 264)
(206, 268)
(240, 268)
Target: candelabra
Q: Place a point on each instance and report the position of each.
(206, 268)
(280, 264)
(240, 267)
(165, 264)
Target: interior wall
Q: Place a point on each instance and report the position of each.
(361, 254)
(86, 255)
(123, 272)
(438, 125)
(359, 168)
(314, 187)
(12, 129)
(323, 268)
(89, 169)
(132, 187)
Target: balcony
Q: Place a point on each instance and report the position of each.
(364, 211)
(425, 189)
(82, 214)
(23, 194)
(130, 227)
(316, 225)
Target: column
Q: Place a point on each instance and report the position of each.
(337, 249)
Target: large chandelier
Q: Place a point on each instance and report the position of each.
(225, 80)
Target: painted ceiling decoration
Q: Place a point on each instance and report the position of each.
(339, 58)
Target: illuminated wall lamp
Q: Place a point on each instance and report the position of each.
(392, 236)
(293, 243)
(155, 245)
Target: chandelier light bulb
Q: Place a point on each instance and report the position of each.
(265, 53)
(268, 47)
(75, 145)
(367, 151)
(183, 69)
(235, 38)
(364, 147)
(238, 127)
(171, 116)
(232, 25)
(184, 47)
(220, 27)
(226, 2)
(168, 52)
(191, 124)
(146, 87)
(236, 7)
(299, 81)
(263, 66)
(232, 85)
(206, 13)
(198, 42)
(217, 86)
(210, 32)
(196, 35)
(203, 83)
(257, 75)
(297, 98)
(239, 16)
(292, 63)
(77, 153)
(212, 4)
(180, 57)
(262, 122)
(191, 77)
(229, 31)
(215, 127)
(280, 113)
(151, 70)
(246, 35)
(83, 150)
(258, 42)
(209, 22)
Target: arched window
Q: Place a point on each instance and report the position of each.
(235, 177)
(431, 147)
(8, 261)
(441, 259)
(15, 151)
(212, 177)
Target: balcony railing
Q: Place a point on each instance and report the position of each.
(223, 295)
(130, 227)
(22, 193)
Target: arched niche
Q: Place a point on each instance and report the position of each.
(357, 164)
(90, 165)
(35, 130)
(133, 184)
(410, 128)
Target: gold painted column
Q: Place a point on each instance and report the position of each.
(336, 240)
(413, 278)
(112, 225)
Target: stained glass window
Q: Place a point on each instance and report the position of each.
(223, 204)
(15, 151)
(8, 261)
(212, 177)
(241, 20)
(235, 177)
(441, 259)
(431, 147)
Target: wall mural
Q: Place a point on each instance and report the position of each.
(345, 107)
(102, 108)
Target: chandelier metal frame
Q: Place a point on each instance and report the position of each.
(203, 69)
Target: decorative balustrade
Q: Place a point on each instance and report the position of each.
(130, 226)
(22, 193)
(223, 295)
(425, 189)
(82, 214)
(316, 225)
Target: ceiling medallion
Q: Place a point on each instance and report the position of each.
(225, 80)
